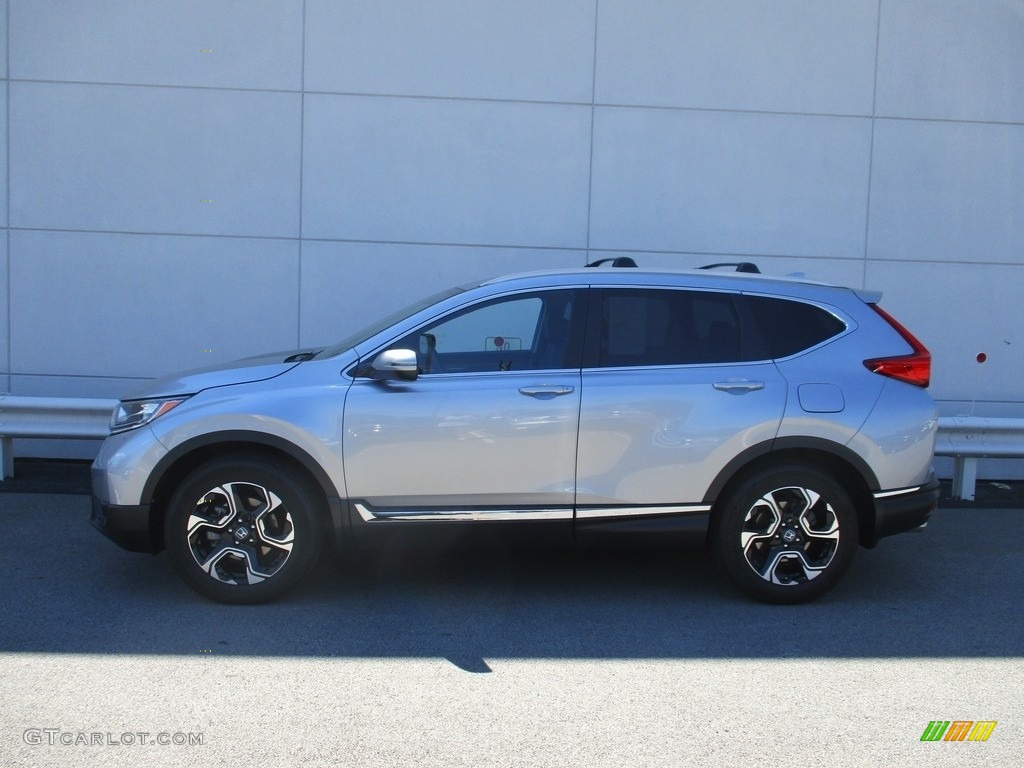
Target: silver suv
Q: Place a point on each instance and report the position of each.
(780, 422)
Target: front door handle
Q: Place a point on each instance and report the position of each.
(738, 386)
(546, 390)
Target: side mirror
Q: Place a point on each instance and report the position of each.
(395, 364)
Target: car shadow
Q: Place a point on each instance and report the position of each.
(953, 590)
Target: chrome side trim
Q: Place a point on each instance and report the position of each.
(461, 515)
(588, 513)
(899, 492)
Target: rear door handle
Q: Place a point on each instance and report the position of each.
(548, 390)
(738, 386)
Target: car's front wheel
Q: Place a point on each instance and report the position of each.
(243, 530)
(786, 534)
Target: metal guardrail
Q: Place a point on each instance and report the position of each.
(965, 438)
(969, 438)
(67, 418)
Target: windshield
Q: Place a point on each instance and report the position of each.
(350, 341)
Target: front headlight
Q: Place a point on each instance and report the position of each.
(135, 413)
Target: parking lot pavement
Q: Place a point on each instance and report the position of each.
(510, 658)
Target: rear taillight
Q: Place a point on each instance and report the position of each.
(915, 368)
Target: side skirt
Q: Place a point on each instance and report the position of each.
(643, 526)
(428, 528)
(433, 528)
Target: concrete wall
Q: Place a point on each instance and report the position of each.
(189, 181)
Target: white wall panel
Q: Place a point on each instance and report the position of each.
(538, 50)
(959, 311)
(74, 386)
(4, 150)
(714, 182)
(89, 304)
(3, 38)
(813, 56)
(251, 44)
(952, 59)
(347, 286)
(421, 170)
(139, 159)
(947, 192)
(5, 357)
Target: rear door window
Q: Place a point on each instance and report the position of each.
(649, 326)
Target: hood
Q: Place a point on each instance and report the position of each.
(244, 371)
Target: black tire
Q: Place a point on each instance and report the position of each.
(243, 530)
(786, 534)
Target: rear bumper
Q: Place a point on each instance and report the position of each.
(904, 509)
(128, 527)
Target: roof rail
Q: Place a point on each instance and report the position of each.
(741, 266)
(618, 261)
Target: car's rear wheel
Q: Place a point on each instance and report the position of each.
(243, 530)
(786, 534)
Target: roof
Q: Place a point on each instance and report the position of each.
(675, 277)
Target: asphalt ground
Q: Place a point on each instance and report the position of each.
(508, 658)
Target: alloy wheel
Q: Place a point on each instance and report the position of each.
(790, 535)
(240, 533)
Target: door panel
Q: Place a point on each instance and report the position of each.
(487, 432)
(471, 441)
(659, 436)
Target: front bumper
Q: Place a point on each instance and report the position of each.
(904, 510)
(128, 527)
(119, 473)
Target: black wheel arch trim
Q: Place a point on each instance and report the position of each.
(236, 437)
(790, 444)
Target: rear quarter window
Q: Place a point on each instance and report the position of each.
(787, 327)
